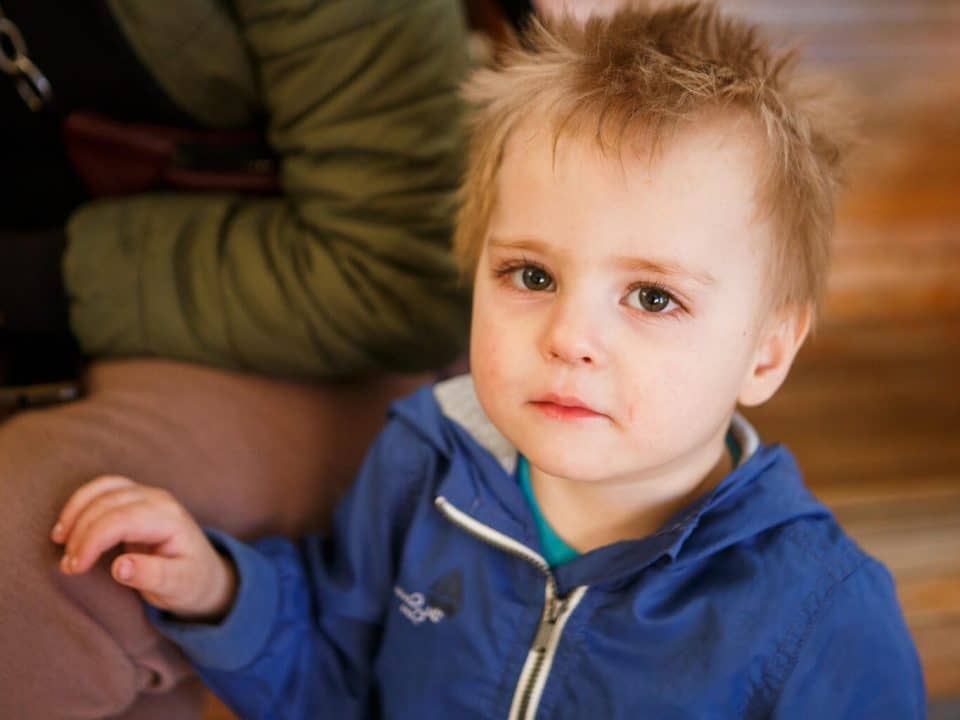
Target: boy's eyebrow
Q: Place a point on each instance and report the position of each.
(658, 267)
(667, 269)
(519, 243)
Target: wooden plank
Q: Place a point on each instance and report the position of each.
(939, 648)
(213, 709)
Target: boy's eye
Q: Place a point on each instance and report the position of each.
(533, 278)
(651, 299)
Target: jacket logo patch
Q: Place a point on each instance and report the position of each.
(446, 593)
(442, 599)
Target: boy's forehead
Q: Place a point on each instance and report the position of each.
(692, 204)
(639, 150)
(710, 167)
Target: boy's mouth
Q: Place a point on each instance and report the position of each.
(564, 407)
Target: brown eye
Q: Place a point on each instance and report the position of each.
(650, 298)
(534, 278)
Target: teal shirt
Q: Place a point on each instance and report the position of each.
(555, 550)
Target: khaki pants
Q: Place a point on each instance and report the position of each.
(246, 454)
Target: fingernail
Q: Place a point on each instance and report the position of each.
(57, 531)
(124, 570)
(65, 563)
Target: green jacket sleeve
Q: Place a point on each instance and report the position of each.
(349, 271)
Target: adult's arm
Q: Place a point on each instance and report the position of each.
(349, 270)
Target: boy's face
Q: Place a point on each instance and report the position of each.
(620, 308)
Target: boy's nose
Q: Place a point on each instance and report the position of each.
(572, 335)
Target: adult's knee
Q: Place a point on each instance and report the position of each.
(72, 647)
(246, 454)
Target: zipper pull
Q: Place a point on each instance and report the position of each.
(548, 623)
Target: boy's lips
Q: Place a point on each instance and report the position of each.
(564, 407)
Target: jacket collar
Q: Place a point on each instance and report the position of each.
(765, 491)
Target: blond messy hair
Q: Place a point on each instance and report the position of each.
(647, 73)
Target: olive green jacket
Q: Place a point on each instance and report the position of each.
(349, 270)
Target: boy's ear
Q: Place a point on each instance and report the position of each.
(779, 343)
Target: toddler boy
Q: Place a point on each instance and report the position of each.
(584, 527)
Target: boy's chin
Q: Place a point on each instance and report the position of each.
(561, 461)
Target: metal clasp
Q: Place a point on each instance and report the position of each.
(31, 83)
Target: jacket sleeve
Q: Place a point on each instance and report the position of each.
(304, 629)
(858, 659)
(349, 270)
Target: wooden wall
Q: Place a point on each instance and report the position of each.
(873, 406)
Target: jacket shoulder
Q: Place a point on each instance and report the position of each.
(832, 590)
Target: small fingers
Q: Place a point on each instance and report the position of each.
(106, 502)
(97, 508)
(137, 521)
(82, 497)
(89, 524)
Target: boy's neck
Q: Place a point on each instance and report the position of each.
(590, 515)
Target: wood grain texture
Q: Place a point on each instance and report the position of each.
(872, 409)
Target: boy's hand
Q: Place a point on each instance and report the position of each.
(166, 557)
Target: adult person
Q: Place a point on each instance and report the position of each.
(344, 273)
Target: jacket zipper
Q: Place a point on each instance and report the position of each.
(556, 611)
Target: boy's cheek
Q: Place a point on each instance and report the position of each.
(496, 359)
(488, 339)
(487, 359)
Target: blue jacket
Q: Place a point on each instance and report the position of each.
(430, 599)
